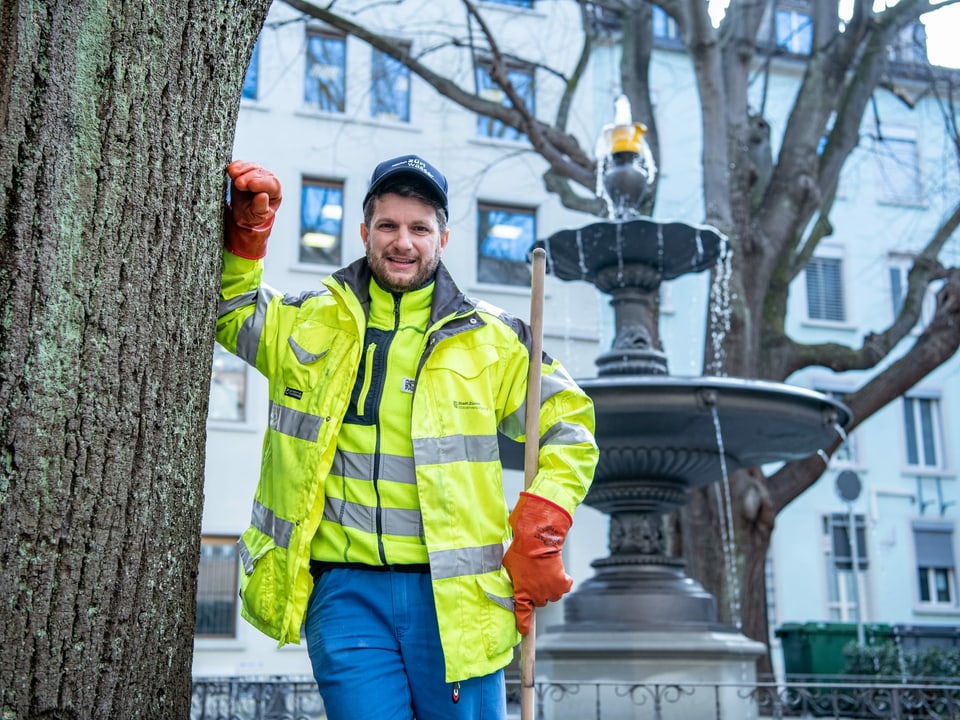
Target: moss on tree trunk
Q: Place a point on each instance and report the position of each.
(117, 122)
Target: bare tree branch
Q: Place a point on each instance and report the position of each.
(939, 342)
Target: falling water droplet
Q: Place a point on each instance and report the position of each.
(727, 530)
(580, 256)
(660, 249)
(619, 235)
(549, 253)
(720, 308)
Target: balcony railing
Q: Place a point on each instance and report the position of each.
(281, 698)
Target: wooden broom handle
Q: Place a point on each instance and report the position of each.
(531, 456)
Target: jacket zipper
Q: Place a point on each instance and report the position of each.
(376, 452)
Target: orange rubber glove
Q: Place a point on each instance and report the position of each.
(534, 559)
(254, 200)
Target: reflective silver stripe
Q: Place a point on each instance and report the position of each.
(303, 356)
(515, 424)
(293, 422)
(359, 466)
(455, 448)
(566, 434)
(277, 529)
(465, 561)
(248, 339)
(353, 465)
(224, 307)
(503, 602)
(245, 557)
(489, 308)
(395, 521)
(554, 383)
(397, 468)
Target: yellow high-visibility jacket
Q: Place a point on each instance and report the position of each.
(471, 382)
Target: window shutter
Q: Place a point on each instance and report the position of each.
(934, 544)
(825, 290)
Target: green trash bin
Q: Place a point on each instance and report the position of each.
(816, 648)
(796, 649)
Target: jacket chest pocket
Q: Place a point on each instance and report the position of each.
(312, 355)
(464, 384)
(457, 364)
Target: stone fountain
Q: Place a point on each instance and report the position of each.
(640, 620)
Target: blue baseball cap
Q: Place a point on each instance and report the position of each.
(417, 169)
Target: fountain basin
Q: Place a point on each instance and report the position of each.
(660, 437)
(671, 249)
(665, 427)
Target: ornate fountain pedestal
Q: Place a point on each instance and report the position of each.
(639, 621)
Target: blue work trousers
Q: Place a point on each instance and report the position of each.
(375, 648)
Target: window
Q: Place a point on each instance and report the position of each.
(936, 573)
(252, 75)
(898, 167)
(228, 387)
(506, 235)
(841, 548)
(794, 32)
(898, 271)
(824, 278)
(389, 88)
(217, 585)
(923, 432)
(844, 586)
(522, 81)
(324, 87)
(321, 222)
(665, 28)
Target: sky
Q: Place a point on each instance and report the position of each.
(942, 28)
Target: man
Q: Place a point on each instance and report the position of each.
(379, 521)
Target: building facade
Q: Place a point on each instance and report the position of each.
(321, 110)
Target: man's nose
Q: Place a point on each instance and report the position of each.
(405, 237)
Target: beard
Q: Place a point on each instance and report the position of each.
(426, 266)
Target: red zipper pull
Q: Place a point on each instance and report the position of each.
(455, 695)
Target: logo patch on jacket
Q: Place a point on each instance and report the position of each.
(293, 392)
(408, 385)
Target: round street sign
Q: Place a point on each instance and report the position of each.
(848, 485)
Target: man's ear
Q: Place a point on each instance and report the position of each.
(364, 234)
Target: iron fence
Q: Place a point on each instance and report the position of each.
(846, 698)
(256, 698)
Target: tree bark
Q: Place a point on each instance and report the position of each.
(117, 121)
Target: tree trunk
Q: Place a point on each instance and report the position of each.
(117, 120)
